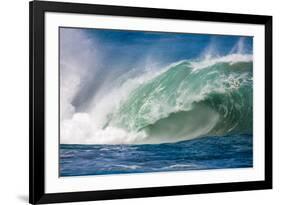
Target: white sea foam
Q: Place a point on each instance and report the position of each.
(179, 166)
(128, 166)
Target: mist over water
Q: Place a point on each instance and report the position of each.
(143, 96)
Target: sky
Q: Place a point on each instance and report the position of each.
(133, 45)
(91, 59)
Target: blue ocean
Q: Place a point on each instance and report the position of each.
(138, 102)
(233, 151)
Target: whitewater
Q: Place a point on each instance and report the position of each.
(185, 100)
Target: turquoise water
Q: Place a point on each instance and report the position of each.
(184, 103)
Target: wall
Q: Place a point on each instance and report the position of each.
(14, 101)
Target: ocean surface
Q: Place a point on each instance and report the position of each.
(213, 152)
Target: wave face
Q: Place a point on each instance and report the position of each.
(190, 99)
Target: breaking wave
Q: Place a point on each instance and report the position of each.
(186, 100)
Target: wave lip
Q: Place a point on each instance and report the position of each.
(232, 58)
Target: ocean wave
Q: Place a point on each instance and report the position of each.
(187, 100)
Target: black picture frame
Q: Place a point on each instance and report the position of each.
(37, 194)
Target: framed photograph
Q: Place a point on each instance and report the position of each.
(130, 102)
